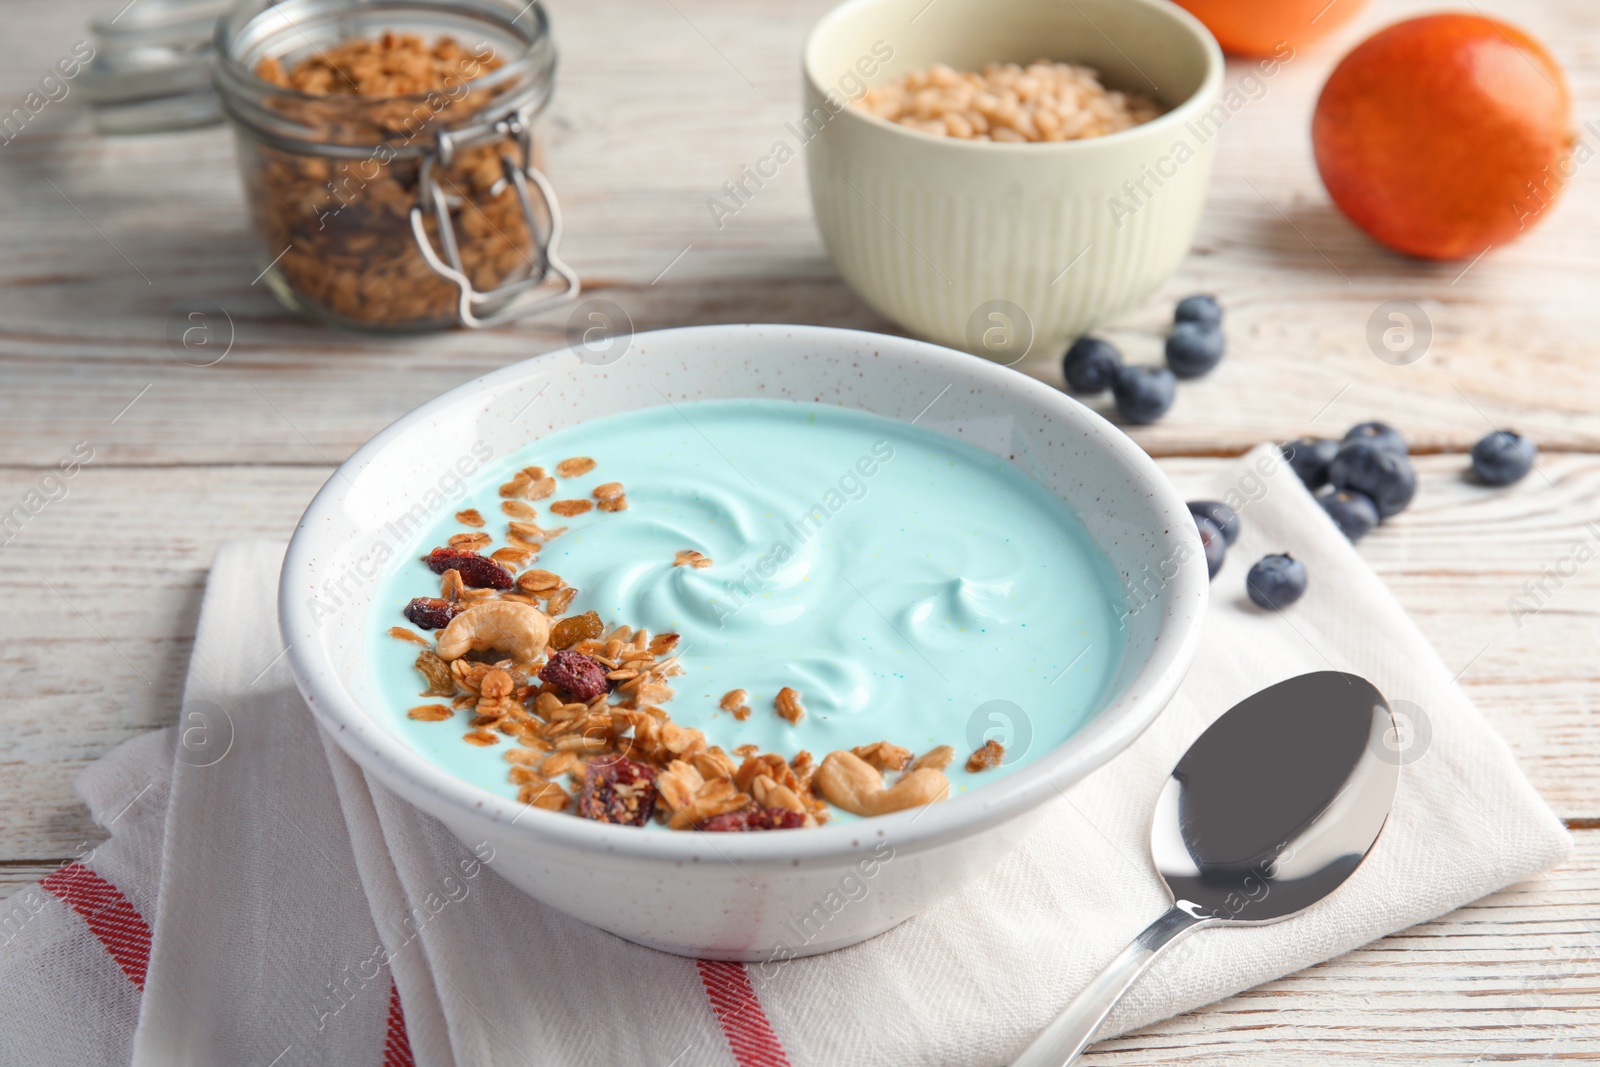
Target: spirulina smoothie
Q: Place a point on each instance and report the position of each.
(861, 581)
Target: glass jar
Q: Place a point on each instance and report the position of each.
(410, 212)
(152, 65)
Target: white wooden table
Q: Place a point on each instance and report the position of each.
(659, 102)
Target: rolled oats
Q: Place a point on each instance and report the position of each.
(470, 542)
(788, 705)
(538, 581)
(544, 794)
(403, 634)
(884, 756)
(430, 713)
(511, 557)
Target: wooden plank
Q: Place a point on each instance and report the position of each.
(106, 650)
(646, 126)
(1509, 979)
(16, 876)
(116, 669)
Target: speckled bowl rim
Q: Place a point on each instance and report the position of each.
(1178, 114)
(409, 774)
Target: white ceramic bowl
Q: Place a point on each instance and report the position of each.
(739, 896)
(942, 235)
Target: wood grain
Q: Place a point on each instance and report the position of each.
(658, 104)
(646, 125)
(1510, 978)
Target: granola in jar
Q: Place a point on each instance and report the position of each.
(390, 171)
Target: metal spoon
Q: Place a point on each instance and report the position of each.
(1275, 805)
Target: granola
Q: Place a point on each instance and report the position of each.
(788, 704)
(344, 228)
(584, 708)
(989, 755)
(575, 467)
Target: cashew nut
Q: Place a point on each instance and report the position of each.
(519, 630)
(850, 782)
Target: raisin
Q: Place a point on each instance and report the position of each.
(581, 676)
(431, 612)
(441, 683)
(478, 572)
(754, 817)
(568, 632)
(618, 790)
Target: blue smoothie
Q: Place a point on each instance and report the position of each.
(911, 587)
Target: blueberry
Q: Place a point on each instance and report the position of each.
(1309, 457)
(1226, 518)
(1090, 364)
(1378, 471)
(1193, 348)
(1275, 582)
(1201, 307)
(1215, 544)
(1354, 513)
(1379, 434)
(1143, 393)
(1503, 457)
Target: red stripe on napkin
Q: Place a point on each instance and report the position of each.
(396, 1045)
(744, 1024)
(114, 921)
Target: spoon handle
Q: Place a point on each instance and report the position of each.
(1066, 1038)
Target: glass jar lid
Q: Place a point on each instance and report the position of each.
(152, 66)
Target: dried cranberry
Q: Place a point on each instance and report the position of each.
(431, 612)
(754, 817)
(618, 790)
(479, 572)
(581, 676)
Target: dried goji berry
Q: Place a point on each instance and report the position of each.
(581, 676)
(478, 572)
(431, 612)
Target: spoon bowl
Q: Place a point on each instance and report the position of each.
(1272, 808)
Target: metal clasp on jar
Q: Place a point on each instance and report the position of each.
(526, 296)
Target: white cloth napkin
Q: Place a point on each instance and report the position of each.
(277, 907)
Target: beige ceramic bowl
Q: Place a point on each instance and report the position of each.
(1002, 248)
